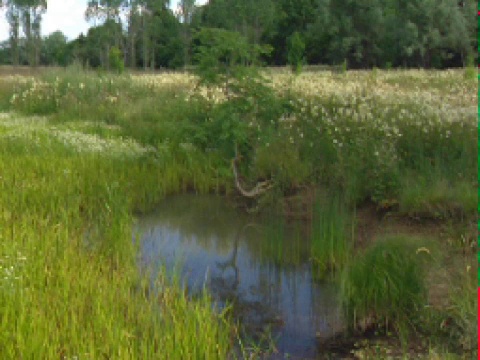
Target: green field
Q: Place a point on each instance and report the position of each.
(83, 152)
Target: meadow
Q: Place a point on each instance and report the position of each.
(82, 153)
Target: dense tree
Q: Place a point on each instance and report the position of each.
(31, 12)
(13, 18)
(362, 33)
(185, 15)
(108, 12)
(133, 31)
(25, 15)
(55, 49)
(291, 16)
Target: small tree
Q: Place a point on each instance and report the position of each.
(296, 51)
(470, 70)
(116, 60)
(225, 60)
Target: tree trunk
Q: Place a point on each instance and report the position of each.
(145, 45)
(27, 29)
(132, 31)
(14, 36)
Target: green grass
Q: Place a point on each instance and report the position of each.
(437, 198)
(70, 284)
(455, 331)
(385, 285)
(332, 236)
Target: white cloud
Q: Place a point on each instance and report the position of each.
(67, 16)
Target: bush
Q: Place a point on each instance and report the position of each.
(116, 60)
(296, 51)
(470, 69)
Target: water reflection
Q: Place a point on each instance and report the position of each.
(259, 265)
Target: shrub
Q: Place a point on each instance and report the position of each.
(296, 50)
(470, 69)
(116, 60)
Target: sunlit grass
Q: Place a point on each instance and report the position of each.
(70, 286)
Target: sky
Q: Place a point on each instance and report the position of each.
(66, 16)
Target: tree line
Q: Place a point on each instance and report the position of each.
(148, 34)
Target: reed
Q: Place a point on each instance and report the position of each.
(332, 236)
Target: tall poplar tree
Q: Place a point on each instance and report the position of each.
(27, 15)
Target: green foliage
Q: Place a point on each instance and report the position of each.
(122, 143)
(55, 50)
(280, 160)
(115, 57)
(344, 67)
(430, 33)
(449, 328)
(250, 107)
(223, 56)
(296, 51)
(385, 284)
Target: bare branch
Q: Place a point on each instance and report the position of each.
(258, 190)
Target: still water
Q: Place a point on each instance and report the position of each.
(260, 265)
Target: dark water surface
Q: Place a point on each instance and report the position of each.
(260, 265)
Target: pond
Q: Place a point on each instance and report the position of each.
(259, 264)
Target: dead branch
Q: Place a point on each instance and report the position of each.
(258, 190)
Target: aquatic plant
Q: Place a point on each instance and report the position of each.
(332, 236)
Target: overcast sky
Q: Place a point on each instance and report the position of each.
(66, 16)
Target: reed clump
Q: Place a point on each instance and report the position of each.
(384, 287)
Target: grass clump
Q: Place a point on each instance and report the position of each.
(384, 286)
(332, 240)
(462, 329)
(451, 329)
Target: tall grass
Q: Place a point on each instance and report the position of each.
(332, 236)
(70, 285)
(384, 285)
(359, 136)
